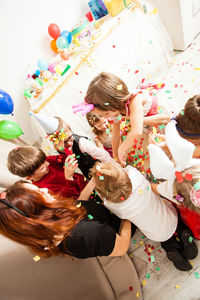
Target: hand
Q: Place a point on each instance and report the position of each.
(71, 164)
(98, 143)
(157, 139)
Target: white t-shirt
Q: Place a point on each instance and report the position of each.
(165, 189)
(155, 217)
(96, 152)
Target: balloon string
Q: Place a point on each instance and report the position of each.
(125, 4)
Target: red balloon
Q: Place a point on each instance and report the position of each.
(54, 31)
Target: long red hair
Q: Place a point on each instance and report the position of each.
(47, 222)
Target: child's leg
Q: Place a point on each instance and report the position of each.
(173, 250)
(181, 247)
(190, 249)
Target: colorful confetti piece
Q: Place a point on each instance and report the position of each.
(148, 275)
(197, 186)
(36, 258)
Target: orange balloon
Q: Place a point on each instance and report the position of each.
(53, 46)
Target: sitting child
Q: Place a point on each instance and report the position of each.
(108, 96)
(128, 194)
(102, 129)
(64, 140)
(182, 177)
(53, 172)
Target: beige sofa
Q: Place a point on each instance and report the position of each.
(101, 278)
(181, 19)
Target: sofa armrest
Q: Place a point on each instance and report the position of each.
(122, 276)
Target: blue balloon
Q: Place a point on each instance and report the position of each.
(67, 35)
(42, 64)
(6, 103)
(62, 43)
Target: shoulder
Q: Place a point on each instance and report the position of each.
(90, 238)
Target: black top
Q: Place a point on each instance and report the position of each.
(85, 161)
(94, 235)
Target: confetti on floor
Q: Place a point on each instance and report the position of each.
(36, 258)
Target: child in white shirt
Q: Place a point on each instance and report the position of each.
(128, 194)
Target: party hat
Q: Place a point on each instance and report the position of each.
(50, 124)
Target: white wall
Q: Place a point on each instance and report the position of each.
(24, 39)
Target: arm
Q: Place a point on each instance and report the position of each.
(99, 153)
(98, 143)
(158, 119)
(115, 139)
(122, 239)
(154, 188)
(136, 117)
(87, 191)
(136, 122)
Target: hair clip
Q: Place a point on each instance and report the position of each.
(179, 198)
(83, 107)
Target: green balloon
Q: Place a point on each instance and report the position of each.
(9, 130)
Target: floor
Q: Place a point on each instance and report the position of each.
(160, 280)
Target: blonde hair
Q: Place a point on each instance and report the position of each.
(62, 124)
(184, 188)
(92, 120)
(111, 182)
(107, 92)
(24, 161)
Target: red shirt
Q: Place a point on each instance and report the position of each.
(55, 180)
(192, 219)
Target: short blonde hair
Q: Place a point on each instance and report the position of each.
(111, 182)
(184, 188)
(24, 161)
(107, 92)
(61, 125)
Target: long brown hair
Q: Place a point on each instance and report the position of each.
(107, 92)
(189, 120)
(46, 223)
